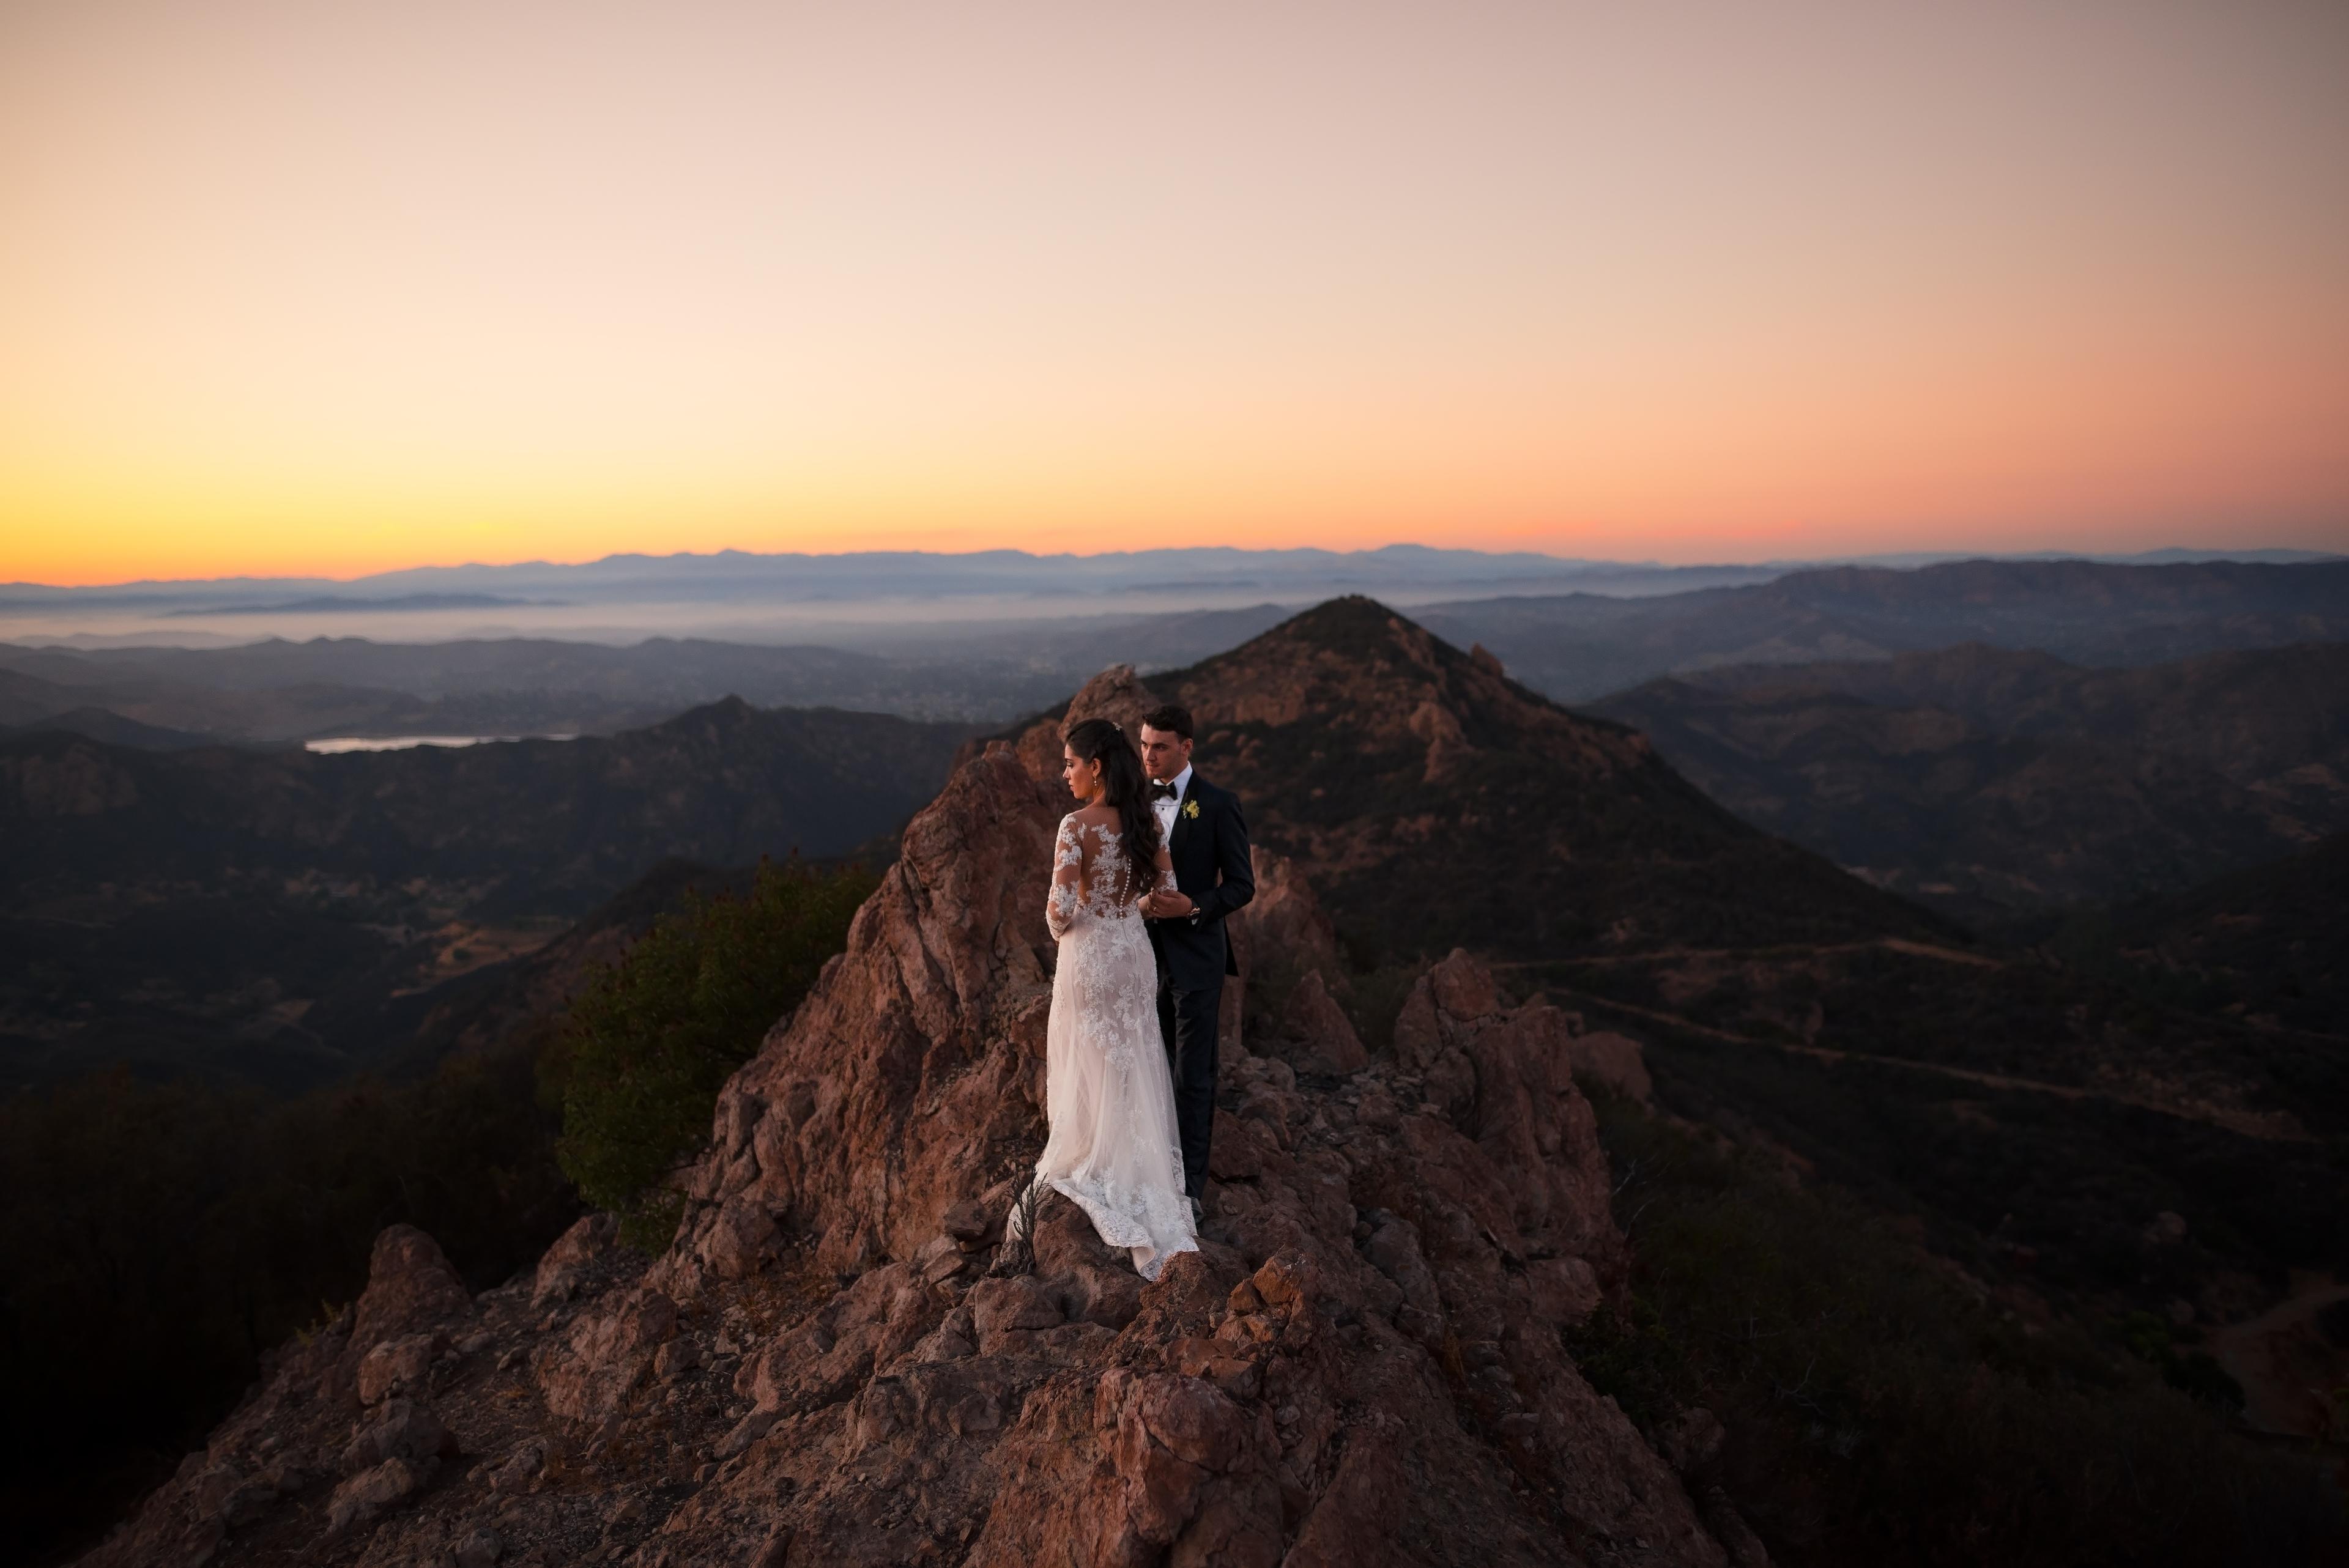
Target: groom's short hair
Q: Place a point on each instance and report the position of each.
(1169, 718)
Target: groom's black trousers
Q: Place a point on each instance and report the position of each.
(1187, 1019)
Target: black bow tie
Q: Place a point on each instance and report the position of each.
(1162, 791)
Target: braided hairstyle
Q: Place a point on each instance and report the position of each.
(1124, 791)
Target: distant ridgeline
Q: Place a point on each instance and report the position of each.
(284, 917)
(1596, 629)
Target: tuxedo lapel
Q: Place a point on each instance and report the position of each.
(1182, 829)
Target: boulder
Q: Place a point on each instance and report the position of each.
(401, 1429)
(609, 1352)
(410, 1286)
(569, 1263)
(740, 1238)
(363, 1497)
(1615, 1060)
(1315, 1034)
(394, 1365)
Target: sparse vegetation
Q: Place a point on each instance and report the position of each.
(157, 1237)
(1879, 1410)
(160, 1237)
(644, 1049)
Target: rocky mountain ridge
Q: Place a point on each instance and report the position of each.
(1362, 1365)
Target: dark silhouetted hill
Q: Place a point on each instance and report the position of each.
(1987, 781)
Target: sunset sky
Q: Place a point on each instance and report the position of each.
(329, 288)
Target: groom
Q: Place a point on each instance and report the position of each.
(1206, 839)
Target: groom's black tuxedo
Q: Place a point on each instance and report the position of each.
(1209, 848)
(1212, 869)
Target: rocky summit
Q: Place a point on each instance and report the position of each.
(834, 1361)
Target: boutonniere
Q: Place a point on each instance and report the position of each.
(1191, 809)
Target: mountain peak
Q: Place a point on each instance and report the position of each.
(1447, 803)
(726, 712)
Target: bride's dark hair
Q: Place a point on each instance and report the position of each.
(1123, 789)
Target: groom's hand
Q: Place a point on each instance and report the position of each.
(1166, 906)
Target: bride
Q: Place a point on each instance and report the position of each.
(1109, 1095)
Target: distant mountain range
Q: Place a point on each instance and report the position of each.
(1193, 576)
(1573, 648)
(873, 601)
(1581, 646)
(735, 574)
(1985, 781)
(331, 603)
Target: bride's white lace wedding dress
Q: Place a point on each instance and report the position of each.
(1107, 1093)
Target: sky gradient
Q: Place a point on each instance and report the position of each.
(292, 288)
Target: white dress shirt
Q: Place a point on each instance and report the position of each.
(1166, 808)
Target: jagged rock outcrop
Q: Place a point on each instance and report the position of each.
(1116, 694)
(915, 1064)
(1362, 1365)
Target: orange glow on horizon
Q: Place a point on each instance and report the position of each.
(323, 292)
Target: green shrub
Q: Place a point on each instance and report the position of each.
(647, 1046)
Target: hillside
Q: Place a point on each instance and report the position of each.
(1441, 803)
(280, 916)
(2269, 944)
(1987, 781)
(1577, 647)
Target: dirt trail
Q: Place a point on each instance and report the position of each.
(1792, 949)
(2289, 1370)
(2248, 1125)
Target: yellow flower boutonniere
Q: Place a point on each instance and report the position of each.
(1191, 809)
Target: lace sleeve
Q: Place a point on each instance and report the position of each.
(1165, 871)
(1067, 894)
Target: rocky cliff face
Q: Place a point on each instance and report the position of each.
(1362, 1366)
